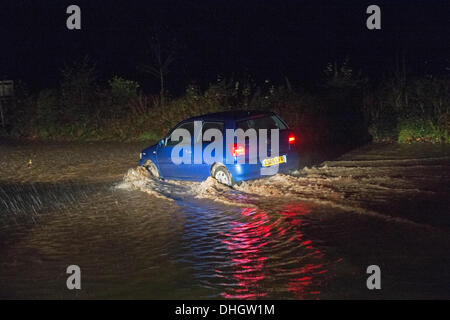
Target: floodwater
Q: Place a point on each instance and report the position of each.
(309, 235)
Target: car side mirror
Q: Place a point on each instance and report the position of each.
(161, 142)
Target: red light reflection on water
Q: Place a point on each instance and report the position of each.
(310, 273)
(251, 241)
(244, 241)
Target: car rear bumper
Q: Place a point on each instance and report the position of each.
(241, 172)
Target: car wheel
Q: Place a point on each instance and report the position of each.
(223, 176)
(151, 167)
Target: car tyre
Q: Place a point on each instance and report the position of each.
(223, 176)
(152, 168)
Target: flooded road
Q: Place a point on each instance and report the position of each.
(309, 235)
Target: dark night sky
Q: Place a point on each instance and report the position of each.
(267, 39)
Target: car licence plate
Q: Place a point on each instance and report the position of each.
(272, 161)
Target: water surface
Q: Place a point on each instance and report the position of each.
(308, 235)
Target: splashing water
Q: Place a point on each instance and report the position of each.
(310, 234)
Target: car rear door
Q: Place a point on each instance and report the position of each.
(202, 170)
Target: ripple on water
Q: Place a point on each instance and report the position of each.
(287, 236)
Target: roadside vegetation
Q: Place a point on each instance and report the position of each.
(345, 106)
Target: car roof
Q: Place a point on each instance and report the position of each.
(230, 115)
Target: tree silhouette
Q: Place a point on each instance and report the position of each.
(162, 56)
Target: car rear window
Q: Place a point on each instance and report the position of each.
(268, 122)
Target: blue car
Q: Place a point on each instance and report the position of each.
(158, 160)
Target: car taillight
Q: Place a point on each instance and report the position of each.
(291, 139)
(237, 149)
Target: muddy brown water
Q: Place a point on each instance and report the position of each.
(308, 235)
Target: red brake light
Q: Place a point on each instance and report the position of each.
(237, 149)
(291, 139)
